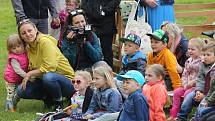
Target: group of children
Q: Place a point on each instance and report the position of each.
(145, 79)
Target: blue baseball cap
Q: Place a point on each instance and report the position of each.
(132, 74)
(132, 38)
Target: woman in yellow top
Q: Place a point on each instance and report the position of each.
(162, 55)
(50, 74)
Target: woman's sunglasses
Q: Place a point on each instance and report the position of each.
(76, 12)
(76, 81)
(24, 21)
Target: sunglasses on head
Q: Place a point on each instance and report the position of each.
(76, 81)
(76, 12)
(24, 21)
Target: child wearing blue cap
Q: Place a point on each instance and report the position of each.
(133, 59)
(135, 107)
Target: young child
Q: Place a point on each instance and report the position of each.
(135, 107)
(133, 59)
(70, 6)
(80, 101)
(15, 69)
(106, 98)
(155, 92)
(207, 104)
(162, 55)
(189, 75)
(204, 80)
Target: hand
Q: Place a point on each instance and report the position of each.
(70, 35)
(89, 116)
(179, 68)
(151, 3)
(56, 21)
(204, 104)
(25, 80)
(68, 110)
(199, 96)
(191, 83)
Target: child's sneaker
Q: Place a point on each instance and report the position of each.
(9, 106)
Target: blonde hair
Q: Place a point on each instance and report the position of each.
(105, 72)
(86, 75)
(197, 42)
(102, 63)
(210, 47)
(77, 2)
(173, 29)
(157, 69)
(13, 40)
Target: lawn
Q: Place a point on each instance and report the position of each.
(27, 108)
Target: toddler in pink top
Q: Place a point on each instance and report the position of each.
(189, 75)
(70, 6)
(15, 69)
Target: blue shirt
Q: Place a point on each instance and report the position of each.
(135, 108)
(103, 101)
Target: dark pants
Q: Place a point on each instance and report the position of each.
(41, 24)
(52, 84)
(209, 116)
(106, 45)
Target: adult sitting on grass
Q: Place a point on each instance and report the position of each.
(47, 64)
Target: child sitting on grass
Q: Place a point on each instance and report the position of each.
(205, 77)
(133, 59)
(135, 107)
(162, 55)
(106, 98)
(189, 75)
(155, 92)
(80, 101)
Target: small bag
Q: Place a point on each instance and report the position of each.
(136, 24)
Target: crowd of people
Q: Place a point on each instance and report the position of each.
(78, 65)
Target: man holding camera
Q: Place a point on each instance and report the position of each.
(101, 14)
(80, 45)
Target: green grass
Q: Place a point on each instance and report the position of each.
(192, 1)
(27, 108)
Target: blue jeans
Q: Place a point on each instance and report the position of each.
(187, 105)
(52, 84)
(201, 111)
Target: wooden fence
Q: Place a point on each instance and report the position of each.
(206, 10)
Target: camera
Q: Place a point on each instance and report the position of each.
(79, 31)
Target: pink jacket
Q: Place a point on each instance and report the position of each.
(62, 16)
(156, 95)
(9, 74)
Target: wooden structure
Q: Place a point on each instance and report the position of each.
(206, 10)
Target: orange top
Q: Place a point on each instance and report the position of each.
(168, 60)
(156, 95)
